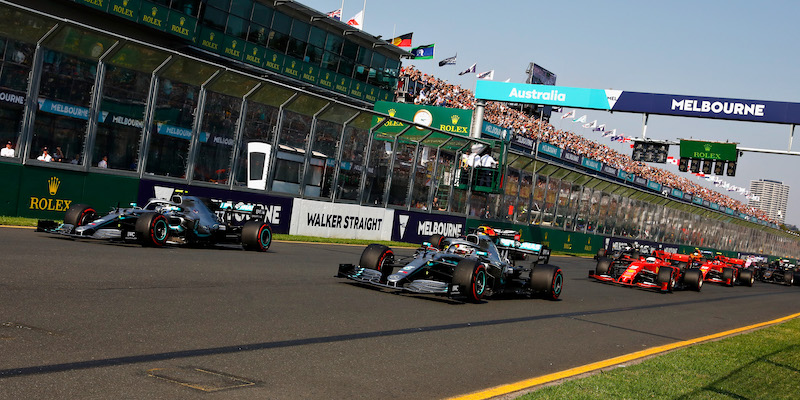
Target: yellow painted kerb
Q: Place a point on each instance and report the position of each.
(517, 386)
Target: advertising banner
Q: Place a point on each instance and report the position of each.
(654, 186)
(326, 219)
(708, 150)
(571, 157)
(609, 170)
(278, 209)
(639, 181)
(591, 164)
(451, 120)
(493, 131)
(549, 149)
(417, 227)
(638, 102)
(522, 143)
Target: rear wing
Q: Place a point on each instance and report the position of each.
(536, 249)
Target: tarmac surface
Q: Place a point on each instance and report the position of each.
(97, 320)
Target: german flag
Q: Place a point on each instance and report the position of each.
(402, 41)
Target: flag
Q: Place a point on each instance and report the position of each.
(507, 80)
(570, 114)
(581, 119)
(600, 128)
(357, 21)
(448, 61)
(592, 125)
(469, 70)
(612, 132)
(402, 40)
(423, 52)
(336, 14)
(489, 75)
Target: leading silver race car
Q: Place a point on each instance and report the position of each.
(182, 220)
(468, 268)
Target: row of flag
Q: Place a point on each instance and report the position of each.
(611, 134)
(357, 21)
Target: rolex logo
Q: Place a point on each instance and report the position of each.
(211, 36)
(154, 11)
(255, 50)
(125, 3)
(233, 44)
(293, 64)
(707, 146)
(52, 185)
(392, 112)
(274, 57)
(454, 118)
(183, 20)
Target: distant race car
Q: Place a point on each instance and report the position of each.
(720, 269)
(778, 271)
(469, 268)
(657, 270)
(182, 220)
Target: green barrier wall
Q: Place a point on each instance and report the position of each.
(48, 193)
(11, 174)
(557, 240)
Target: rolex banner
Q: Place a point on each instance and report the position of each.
(453, 120)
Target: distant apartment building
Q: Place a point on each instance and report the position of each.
(772, 198)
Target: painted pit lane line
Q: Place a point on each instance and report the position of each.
(249, 347)
(596, 366)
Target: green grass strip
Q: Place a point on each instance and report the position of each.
(764, 364)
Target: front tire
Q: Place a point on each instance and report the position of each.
(603, 266)
(436, 241)
(693, 279)
(378, 257)
(547, 281)
(665, 274)
(256, 236)
(79, 215)
(729, 276)
(470, 277)
(152, 229)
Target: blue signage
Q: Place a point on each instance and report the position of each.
(494, 131)
(697, 200)
(178, 132)
(677, 193)
(417, 227)
(639, 102)
(549, 149)
(714, 206)
(654, 185)
(67, 110)
(622, 175)
(591, 164)
(542, 94)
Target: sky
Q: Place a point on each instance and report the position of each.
(733, 49)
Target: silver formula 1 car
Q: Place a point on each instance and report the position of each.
(182, 220)
(469, 268)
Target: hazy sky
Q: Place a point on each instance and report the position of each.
(736, 49)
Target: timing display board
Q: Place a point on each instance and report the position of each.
(650, 152)
(644, 103)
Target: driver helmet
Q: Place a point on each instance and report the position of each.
(650, 259)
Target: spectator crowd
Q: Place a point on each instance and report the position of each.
(424, 89)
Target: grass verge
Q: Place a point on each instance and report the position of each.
(763, 364)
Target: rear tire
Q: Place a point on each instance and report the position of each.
(256, 236)
(693, 279)
(436, 241)
(796, 278)
(79, 215)
(789, 278)
(470, 276)
(378, 257)
(152, 229)
(603, 266)
(746, 277)
(547, 281)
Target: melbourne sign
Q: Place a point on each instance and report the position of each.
(638, 102)
(708, 150)
(417, 227)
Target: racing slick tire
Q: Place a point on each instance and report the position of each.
(378, 257)
(665, 274)
(729, 276)
(79, 215)
(600, 254)
(470, 276)
(746, 277)
(603, 265)
(436, 241)
(693, 279)
(256, 236)
(789, 278)
(547, 281)
(152, 229)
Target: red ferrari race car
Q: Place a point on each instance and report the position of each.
(721, 269)
(655, 271)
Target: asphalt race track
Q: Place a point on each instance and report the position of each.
(95, 320)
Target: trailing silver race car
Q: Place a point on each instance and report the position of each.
(469, 268)
(182, 220)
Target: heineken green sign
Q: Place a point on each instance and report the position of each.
(708, 150)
